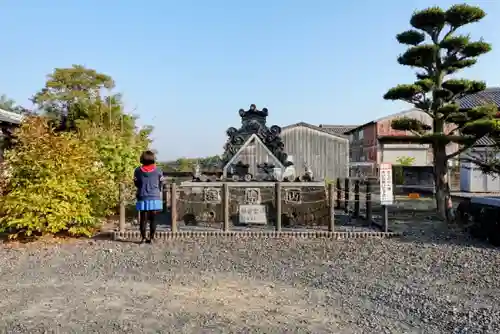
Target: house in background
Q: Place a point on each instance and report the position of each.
(472, 179)
(375, 142)
(371, 142)
(8, 121)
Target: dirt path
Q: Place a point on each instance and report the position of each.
(251, 286)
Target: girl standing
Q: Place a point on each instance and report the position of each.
(148, 181)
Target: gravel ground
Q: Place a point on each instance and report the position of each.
(251, 286)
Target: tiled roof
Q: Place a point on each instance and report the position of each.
(10, 117)
(337, 129)
(489, 95)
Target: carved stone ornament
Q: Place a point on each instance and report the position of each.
(252, 196)
(293, 196)
(211, 195)
(253, 121)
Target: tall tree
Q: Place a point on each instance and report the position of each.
(81, 99)
(75, 93)
(6, 103)
(9, 104)
(437, 50)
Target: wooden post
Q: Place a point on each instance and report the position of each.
(277, 194)
(385, 218)
(225, 206)
(369, 211)
(356, 198)
(346, 195)
(167, 192)
(339, 192)
(122, 207)
(165, 197)
(173, 206)
(331, 204)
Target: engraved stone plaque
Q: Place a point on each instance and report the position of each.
(252, 214)
(293, 196)
(252, 196)
(211, 195)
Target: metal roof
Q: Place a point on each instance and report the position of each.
(10, 117)
(337, 129)
(313, 127)
(401, 113)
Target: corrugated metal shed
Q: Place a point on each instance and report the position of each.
(327, 154)
(472, 179)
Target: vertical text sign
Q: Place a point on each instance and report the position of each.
(385, 176)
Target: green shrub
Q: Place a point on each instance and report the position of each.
(119, 155)
(57, 183)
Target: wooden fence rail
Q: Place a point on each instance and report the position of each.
(339, 195)
(226, 186)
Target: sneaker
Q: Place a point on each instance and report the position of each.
(149, 241)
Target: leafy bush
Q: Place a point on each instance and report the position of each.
(5, 174)
(119, 155)
(57, 183)
(64, 169)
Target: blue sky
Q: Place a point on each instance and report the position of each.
(189, 66)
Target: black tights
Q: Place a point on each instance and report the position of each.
(144, 216)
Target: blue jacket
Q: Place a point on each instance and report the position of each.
(148, 181)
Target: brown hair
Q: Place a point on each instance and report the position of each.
(148, 158)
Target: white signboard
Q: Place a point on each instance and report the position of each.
(253, 214)
(385, 176)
